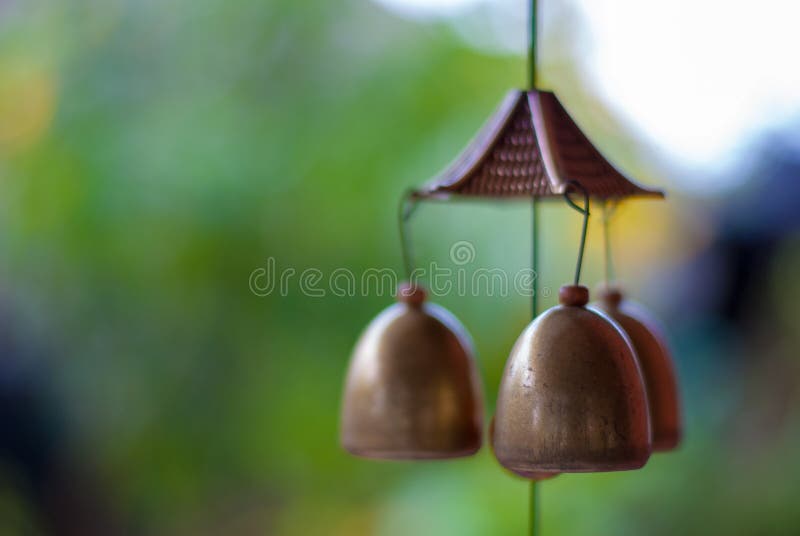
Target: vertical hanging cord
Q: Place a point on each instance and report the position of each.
(535, 258)
(533, 506)
(534, 509)
(532, 38)
(609, 208)
(533, 496)
(408, 204)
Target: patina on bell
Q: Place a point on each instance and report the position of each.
(572, 397)
(538, 477)
(412, 389)
(656, 365)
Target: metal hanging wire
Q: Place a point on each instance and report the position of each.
(407, 206)
(609, 209)
(574, 185)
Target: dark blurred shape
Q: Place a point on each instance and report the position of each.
(60, 486)
(752, 224)
(742, 292)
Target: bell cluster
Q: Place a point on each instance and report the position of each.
(586, 388)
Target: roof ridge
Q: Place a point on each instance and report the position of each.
(531, 147)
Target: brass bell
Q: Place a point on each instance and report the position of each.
(656, 365)
(572, 397)
(412, 388)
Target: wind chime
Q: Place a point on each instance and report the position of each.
(586, 388)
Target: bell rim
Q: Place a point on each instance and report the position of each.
(420, 455)
(668, 442)
(595, 468)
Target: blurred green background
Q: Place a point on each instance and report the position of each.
(154, 154)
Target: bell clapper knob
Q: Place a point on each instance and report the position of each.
(611, 296)
(573, 295)
(411, 294)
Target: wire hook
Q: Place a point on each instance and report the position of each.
(408, 205)
(583, 210)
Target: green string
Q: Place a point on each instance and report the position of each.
(532, 47)
(535, 258)
(533, 506)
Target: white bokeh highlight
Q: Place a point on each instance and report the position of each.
(699, 79)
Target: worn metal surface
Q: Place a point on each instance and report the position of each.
(412, 389)
(572, 398)
(528, 475)
(531, 147)
(656, 365)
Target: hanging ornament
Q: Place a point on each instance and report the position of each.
(412, 390)
(655, 363)
(654, 357)
(571, 398)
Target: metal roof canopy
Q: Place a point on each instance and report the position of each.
(531, 147)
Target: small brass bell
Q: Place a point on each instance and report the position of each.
(572, 397)
(656, 365)
(412, 389)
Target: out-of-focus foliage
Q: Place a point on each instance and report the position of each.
(153, 154)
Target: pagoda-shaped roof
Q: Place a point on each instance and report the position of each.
(531, 147)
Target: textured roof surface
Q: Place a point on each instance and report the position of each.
(531, 147)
